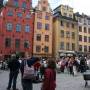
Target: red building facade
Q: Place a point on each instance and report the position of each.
(16, 27)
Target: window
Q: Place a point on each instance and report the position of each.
(18, 27)
(27, 28)
(80, 37)
(72, 25)
(46, 26)
(85, 48)
(62, 45)
(80, 47)
(88, 22)
(38, 48)
(70, 15)
(26, 44)
(24, 5)
(17, 43)
(89, 39)
(39, 15)
(68, 34)
(89, 30)
(85, 21)
(80, 28)
(67, 46)
(38, 37)
(16, 3)
(85, 38)
(47, 17)
(8, 42)
(10, 13)
(65, 14)
(9, 26)
(46, 38)
(62, 24)
(19, 14)
(46, 49)
(73, 46)
(28, 16)
(89, 48)
(85, 30)
(62, 33)
(67, 24)
(73, 35)
(39, 25)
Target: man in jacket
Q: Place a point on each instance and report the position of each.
(14, 66)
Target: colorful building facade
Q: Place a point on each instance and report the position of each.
(16, 28)
(42, 44)
(84, 32)
(65, 31)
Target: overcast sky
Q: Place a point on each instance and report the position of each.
(82, 6)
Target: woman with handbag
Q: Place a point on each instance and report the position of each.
(49, 82)
(27, 73)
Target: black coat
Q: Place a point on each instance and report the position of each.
(14, 65)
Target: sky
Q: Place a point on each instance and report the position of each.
(82, 6)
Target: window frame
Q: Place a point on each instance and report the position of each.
(18, 27)
(38, 48)
(10, 13)
(47, 38)
(9, 26)
(39, 25)
(26, 44)
(47, 26)
(27, 28)
(46, 49)
(17, 43)
(38, 37)
(7, 42)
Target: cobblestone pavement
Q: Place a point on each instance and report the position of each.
(64, 82)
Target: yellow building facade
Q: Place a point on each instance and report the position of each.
(65, 31)
(84, 33)
(42, 44)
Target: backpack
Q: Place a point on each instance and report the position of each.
(28, 72)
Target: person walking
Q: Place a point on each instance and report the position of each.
(75, 66)
(14, 66)
(49, 82)
(83, 64)
(70, 66)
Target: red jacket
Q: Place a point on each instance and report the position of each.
(37, 65)
(49, 82)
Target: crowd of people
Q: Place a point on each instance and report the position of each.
(34, 70)
(73, 64)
